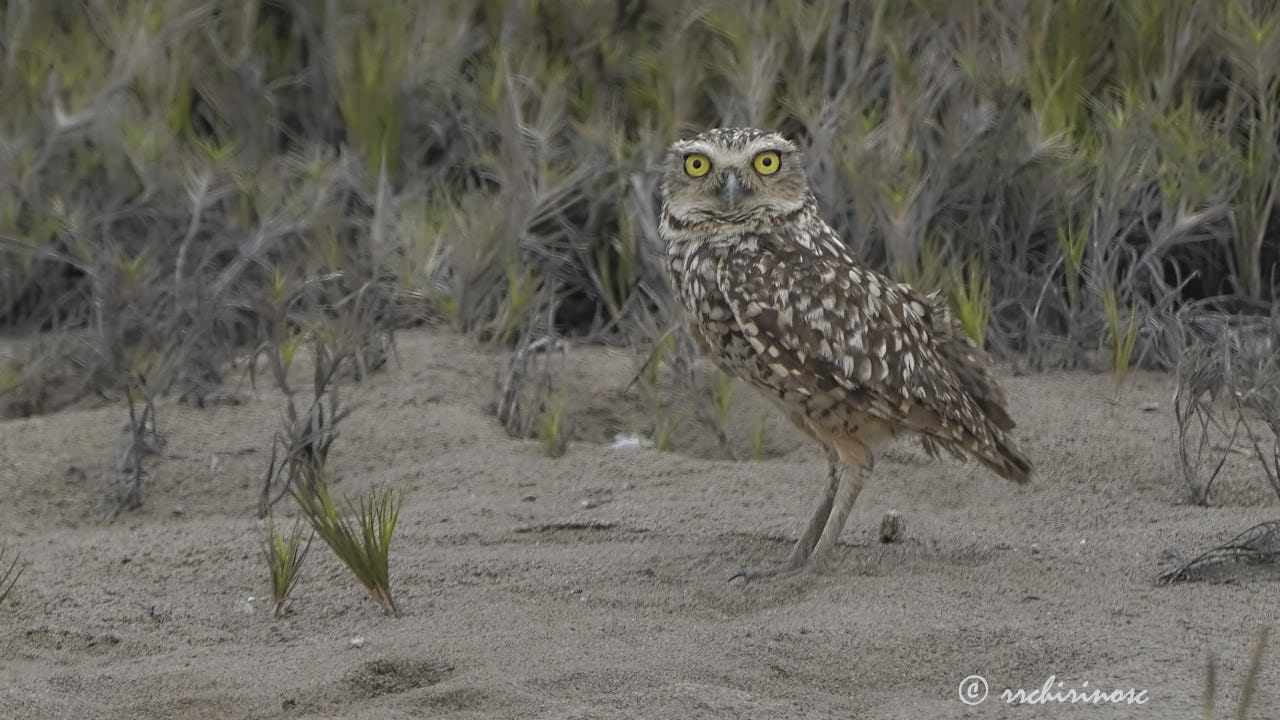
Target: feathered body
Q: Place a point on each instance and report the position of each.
(773, 296)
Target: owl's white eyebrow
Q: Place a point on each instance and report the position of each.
(752, 149)
(694, 146)
(759, 145)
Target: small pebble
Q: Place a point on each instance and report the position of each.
(357, 642)
(1035, 549)
(890, 527)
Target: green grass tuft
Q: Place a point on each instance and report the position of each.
(1123, 336)
(284, 559)
(971, 300)
(551, 429)
(359, 533)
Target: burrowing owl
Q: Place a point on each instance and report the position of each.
(773, 297)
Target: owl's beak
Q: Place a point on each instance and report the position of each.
(730, 188)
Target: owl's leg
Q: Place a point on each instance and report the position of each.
(799, 557)
(855, 467)
(804, 546)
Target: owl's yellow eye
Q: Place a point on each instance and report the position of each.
(767, 162)
(696, 164)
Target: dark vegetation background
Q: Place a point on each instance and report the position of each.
(184, 181)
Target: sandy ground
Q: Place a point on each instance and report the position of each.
(596, 585)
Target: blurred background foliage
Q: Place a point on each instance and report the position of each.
(183, 179)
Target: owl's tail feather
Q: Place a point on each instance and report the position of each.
(1001, 455)
(970, 366)
(968, 362)
(1007, 461)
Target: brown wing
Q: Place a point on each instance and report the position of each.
(830, 331)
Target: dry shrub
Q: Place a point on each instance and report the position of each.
(1227, 402)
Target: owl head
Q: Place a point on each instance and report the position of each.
(733, 175)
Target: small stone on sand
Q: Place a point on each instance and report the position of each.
(890, 527)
